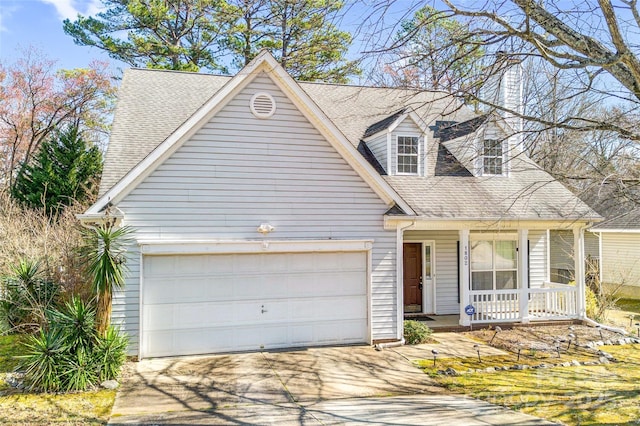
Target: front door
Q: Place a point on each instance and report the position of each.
(412, 277)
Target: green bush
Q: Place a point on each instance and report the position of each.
(26, 297)
(416, 332)
(44, 361)
(68, 355)
(111, 353)
(593, 307)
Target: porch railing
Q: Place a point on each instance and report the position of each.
(549, 302)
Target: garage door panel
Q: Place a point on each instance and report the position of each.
(214, 303)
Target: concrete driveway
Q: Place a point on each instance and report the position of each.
(335, 385)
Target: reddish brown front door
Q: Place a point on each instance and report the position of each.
(412, 277)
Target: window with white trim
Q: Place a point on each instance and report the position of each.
(408, 150)
(494, 264)
(492, 157)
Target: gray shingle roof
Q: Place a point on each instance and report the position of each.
(383, 124)
(628, 221)
(152, 104)
(527, 194)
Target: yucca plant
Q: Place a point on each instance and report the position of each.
(80, 371)
(76, 323)
(111, 353)
(43, 361)
(104, 253)
(27, 296)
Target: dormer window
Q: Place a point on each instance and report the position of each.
(492, 157)
(408, 150)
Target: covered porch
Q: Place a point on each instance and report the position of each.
(487, 273)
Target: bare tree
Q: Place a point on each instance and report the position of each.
(593, 44)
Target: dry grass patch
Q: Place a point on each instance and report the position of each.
(577, 395)
(84, 408)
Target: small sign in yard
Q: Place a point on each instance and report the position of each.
(470, 310)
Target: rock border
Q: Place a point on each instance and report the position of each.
(603, 358)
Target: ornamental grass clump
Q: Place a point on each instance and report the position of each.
(68, 354)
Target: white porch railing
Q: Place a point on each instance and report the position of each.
(552, 301)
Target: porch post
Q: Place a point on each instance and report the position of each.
(578, 256)
(523, 273)
(400, 283)
(464, 276)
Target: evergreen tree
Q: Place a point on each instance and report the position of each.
(64, 170)
(168, 34)
(299, 33)
(191, 35)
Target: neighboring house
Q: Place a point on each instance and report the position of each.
(270, 213)
(619, 239)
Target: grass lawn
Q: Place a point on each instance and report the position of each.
(82, 408)
(629, 305)
(584, 395)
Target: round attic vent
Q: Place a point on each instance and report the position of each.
(262, 105)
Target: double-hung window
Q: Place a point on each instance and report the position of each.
(494, 264)
(408, 155)
(492, 157)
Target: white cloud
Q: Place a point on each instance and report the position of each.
(94, 7)
(65, 8)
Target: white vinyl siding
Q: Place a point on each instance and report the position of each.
(378, 147)
(561, 262)
(537, 258)
(446, 266)
(239, 171)
(621, 258)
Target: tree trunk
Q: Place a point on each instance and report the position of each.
(103, 314)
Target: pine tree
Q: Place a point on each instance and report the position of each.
(64, 170)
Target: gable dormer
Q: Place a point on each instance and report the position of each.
(398, 143)
(482, 145)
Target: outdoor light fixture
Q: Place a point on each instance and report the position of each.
(638, 325)
(498, 330)
(571, 337)
(265, 228)
(519, 349)
(477, 348)
(599, 327)
(435, 354)
(557, 342)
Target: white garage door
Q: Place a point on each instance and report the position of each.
(196, 304)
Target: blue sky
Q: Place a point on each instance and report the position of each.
(39, 23)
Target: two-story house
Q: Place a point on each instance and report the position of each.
(270, 213)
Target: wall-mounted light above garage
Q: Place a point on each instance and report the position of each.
(265, 228)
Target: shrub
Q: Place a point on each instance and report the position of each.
(593, 310)
(43, 361)
(416, 332)
(111, 353)
(31, 234)
(69, 355)
(26, 296)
